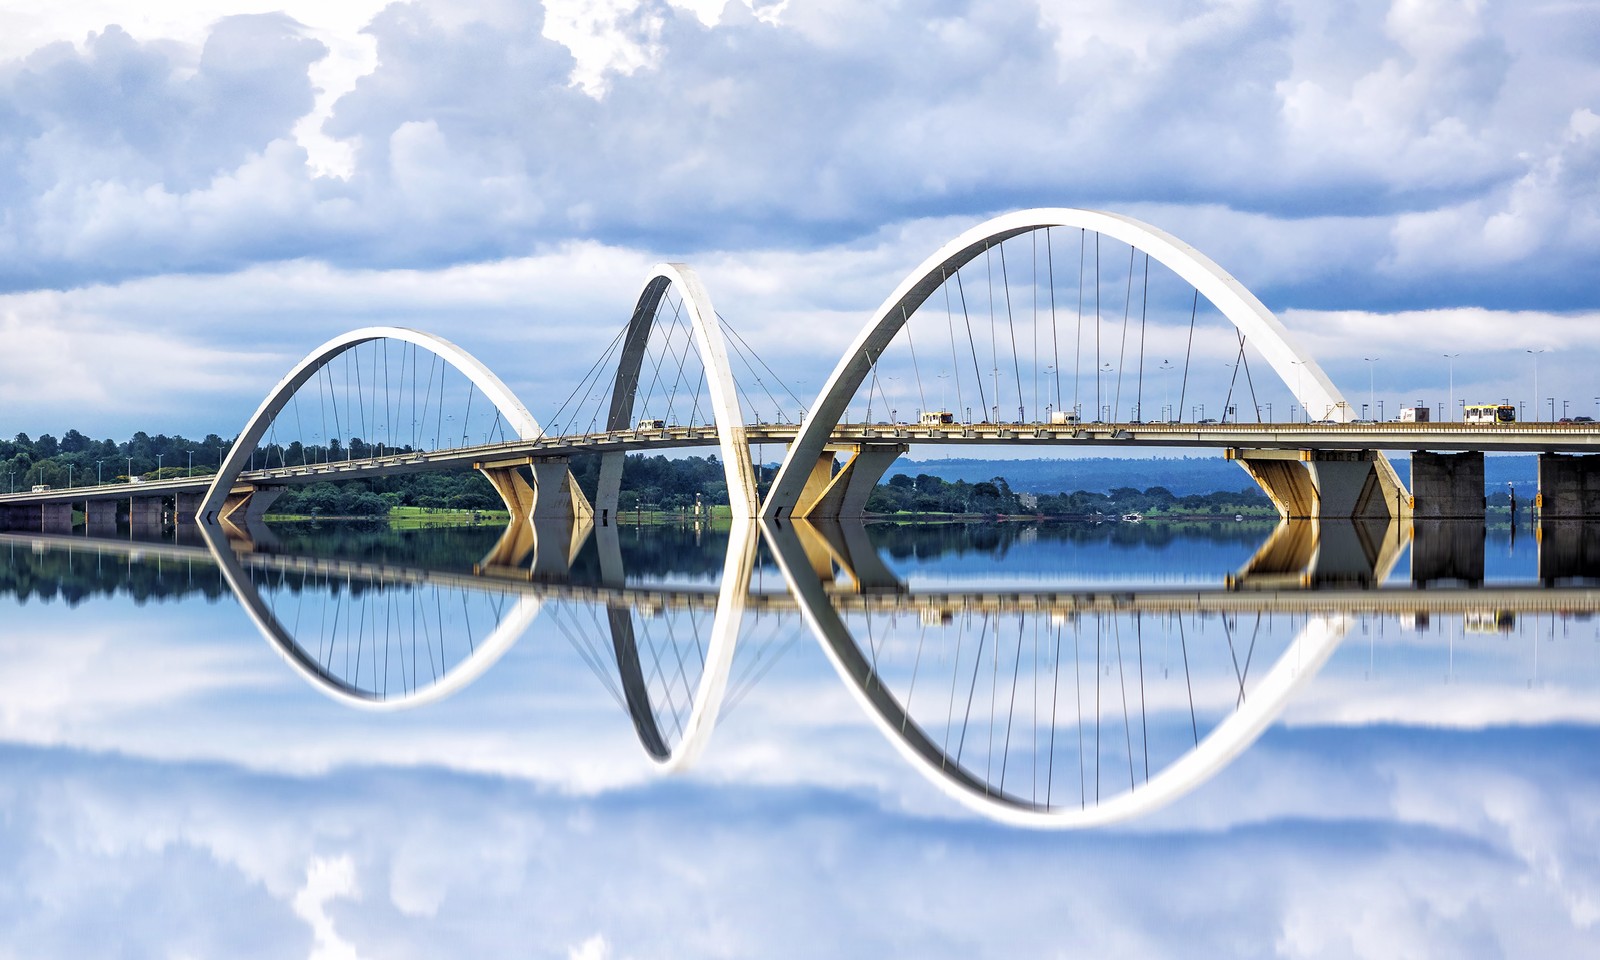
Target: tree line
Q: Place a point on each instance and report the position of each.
(927, 494)
(649, 482)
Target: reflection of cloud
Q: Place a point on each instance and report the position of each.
(1362, 842)
(327, 880)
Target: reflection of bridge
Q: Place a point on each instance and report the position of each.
(667, 383)
(1001, 717)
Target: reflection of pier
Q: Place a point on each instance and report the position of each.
(1530, 598)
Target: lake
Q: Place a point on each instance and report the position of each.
(1211, 738)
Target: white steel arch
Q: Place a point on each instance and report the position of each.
(1293, 365)
(723, 394)
(516, 415)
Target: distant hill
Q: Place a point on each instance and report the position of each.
(1181, 475)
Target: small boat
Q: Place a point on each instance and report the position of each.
(1132, 517)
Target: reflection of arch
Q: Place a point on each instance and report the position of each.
(515, 414)
(1303, 658)
(724, 397)
(732, 593)
(1297, 369)
(484, 652)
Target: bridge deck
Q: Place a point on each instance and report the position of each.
(1504, 438)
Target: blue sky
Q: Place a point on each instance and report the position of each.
(189, 202)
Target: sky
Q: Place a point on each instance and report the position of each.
(190, 201)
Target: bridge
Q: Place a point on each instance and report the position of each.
(1078, 357)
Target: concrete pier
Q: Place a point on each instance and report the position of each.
(187, 506)
(55, 517)
(1569, 486)
(144, 512)
(101, 515)
(1447, 486)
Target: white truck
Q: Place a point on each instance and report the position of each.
(1415, 415)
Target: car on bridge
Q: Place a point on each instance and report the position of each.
(41, 488)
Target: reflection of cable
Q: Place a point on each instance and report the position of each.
(1306, 653)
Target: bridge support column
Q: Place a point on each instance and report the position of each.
(609, 490)
(1283, 478)
(829, 495)
(100, 515)
(248, 506)
(553, 494)
(556, 493)
(514, 491)
(144, 513)
(1326, 484)
(55, 517)
(186, 506)
(1447, 486)
(1569, 486)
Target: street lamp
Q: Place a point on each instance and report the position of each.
(1535, 354)
(130, 469)
(1452, 358)
(1166, 389)
(158, 465)
(1372, 391)
(69, 476)
(99, 466)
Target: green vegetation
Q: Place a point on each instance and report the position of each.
(25, 461)
(656, 489)
(926, 494)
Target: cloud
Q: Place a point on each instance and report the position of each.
(484, 131)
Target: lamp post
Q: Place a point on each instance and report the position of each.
(69, 476)
(1535, 355)
(1372, 380)
(1166, 389)
(130, 469)
(99, 469)
(1452, 358)
(158, 466)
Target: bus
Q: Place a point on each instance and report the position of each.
(1491, 413)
